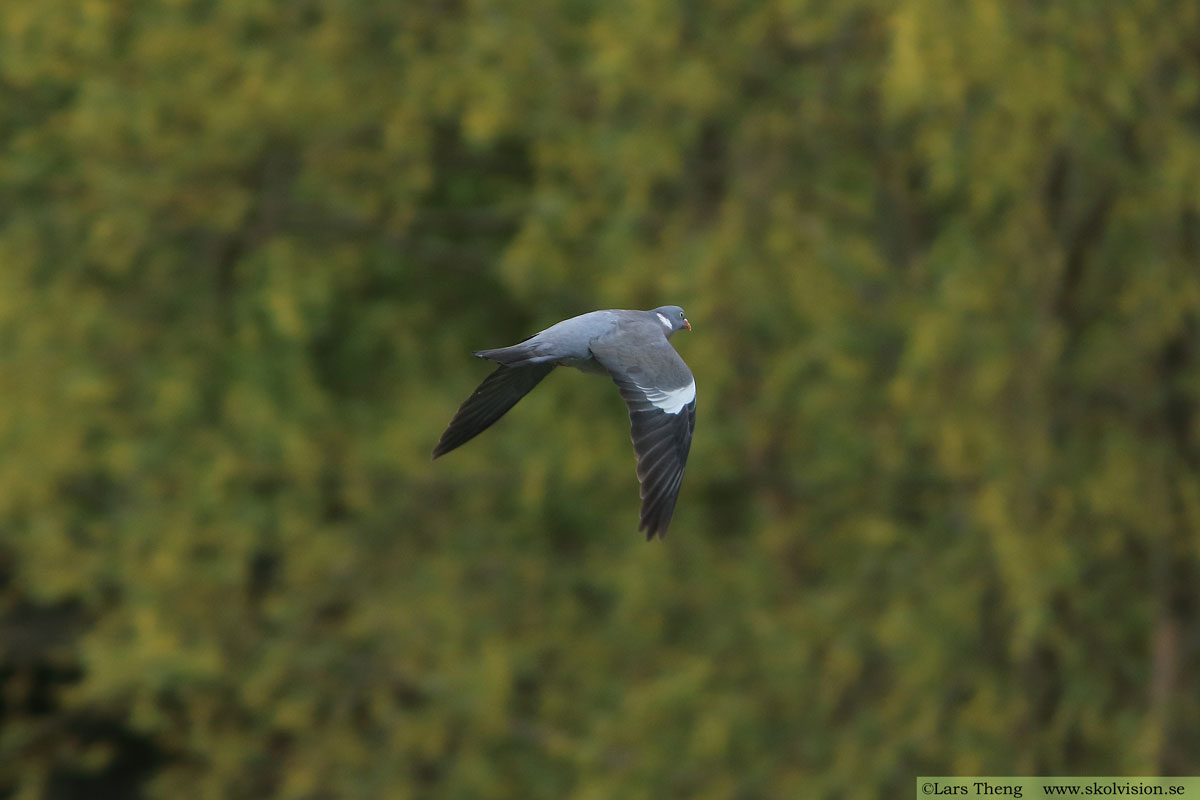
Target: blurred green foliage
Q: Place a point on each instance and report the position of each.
(942, 513)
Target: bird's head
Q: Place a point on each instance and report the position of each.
(672, 319)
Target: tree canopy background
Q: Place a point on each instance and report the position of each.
(942, 513)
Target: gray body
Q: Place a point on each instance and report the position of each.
(633, 348)
(564, 344)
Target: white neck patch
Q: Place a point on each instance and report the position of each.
(666, 322)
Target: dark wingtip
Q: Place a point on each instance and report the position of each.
(652, 530)
(440, 449)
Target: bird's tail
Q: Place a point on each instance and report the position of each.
(519, 355)
(499, 392)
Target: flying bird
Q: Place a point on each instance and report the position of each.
(631, 347)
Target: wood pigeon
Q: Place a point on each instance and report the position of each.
(631, 347)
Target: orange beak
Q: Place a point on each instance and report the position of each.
(687, 324)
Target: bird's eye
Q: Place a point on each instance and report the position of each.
(681, 315)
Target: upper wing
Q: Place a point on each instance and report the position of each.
(661, 395)
(499, 392)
